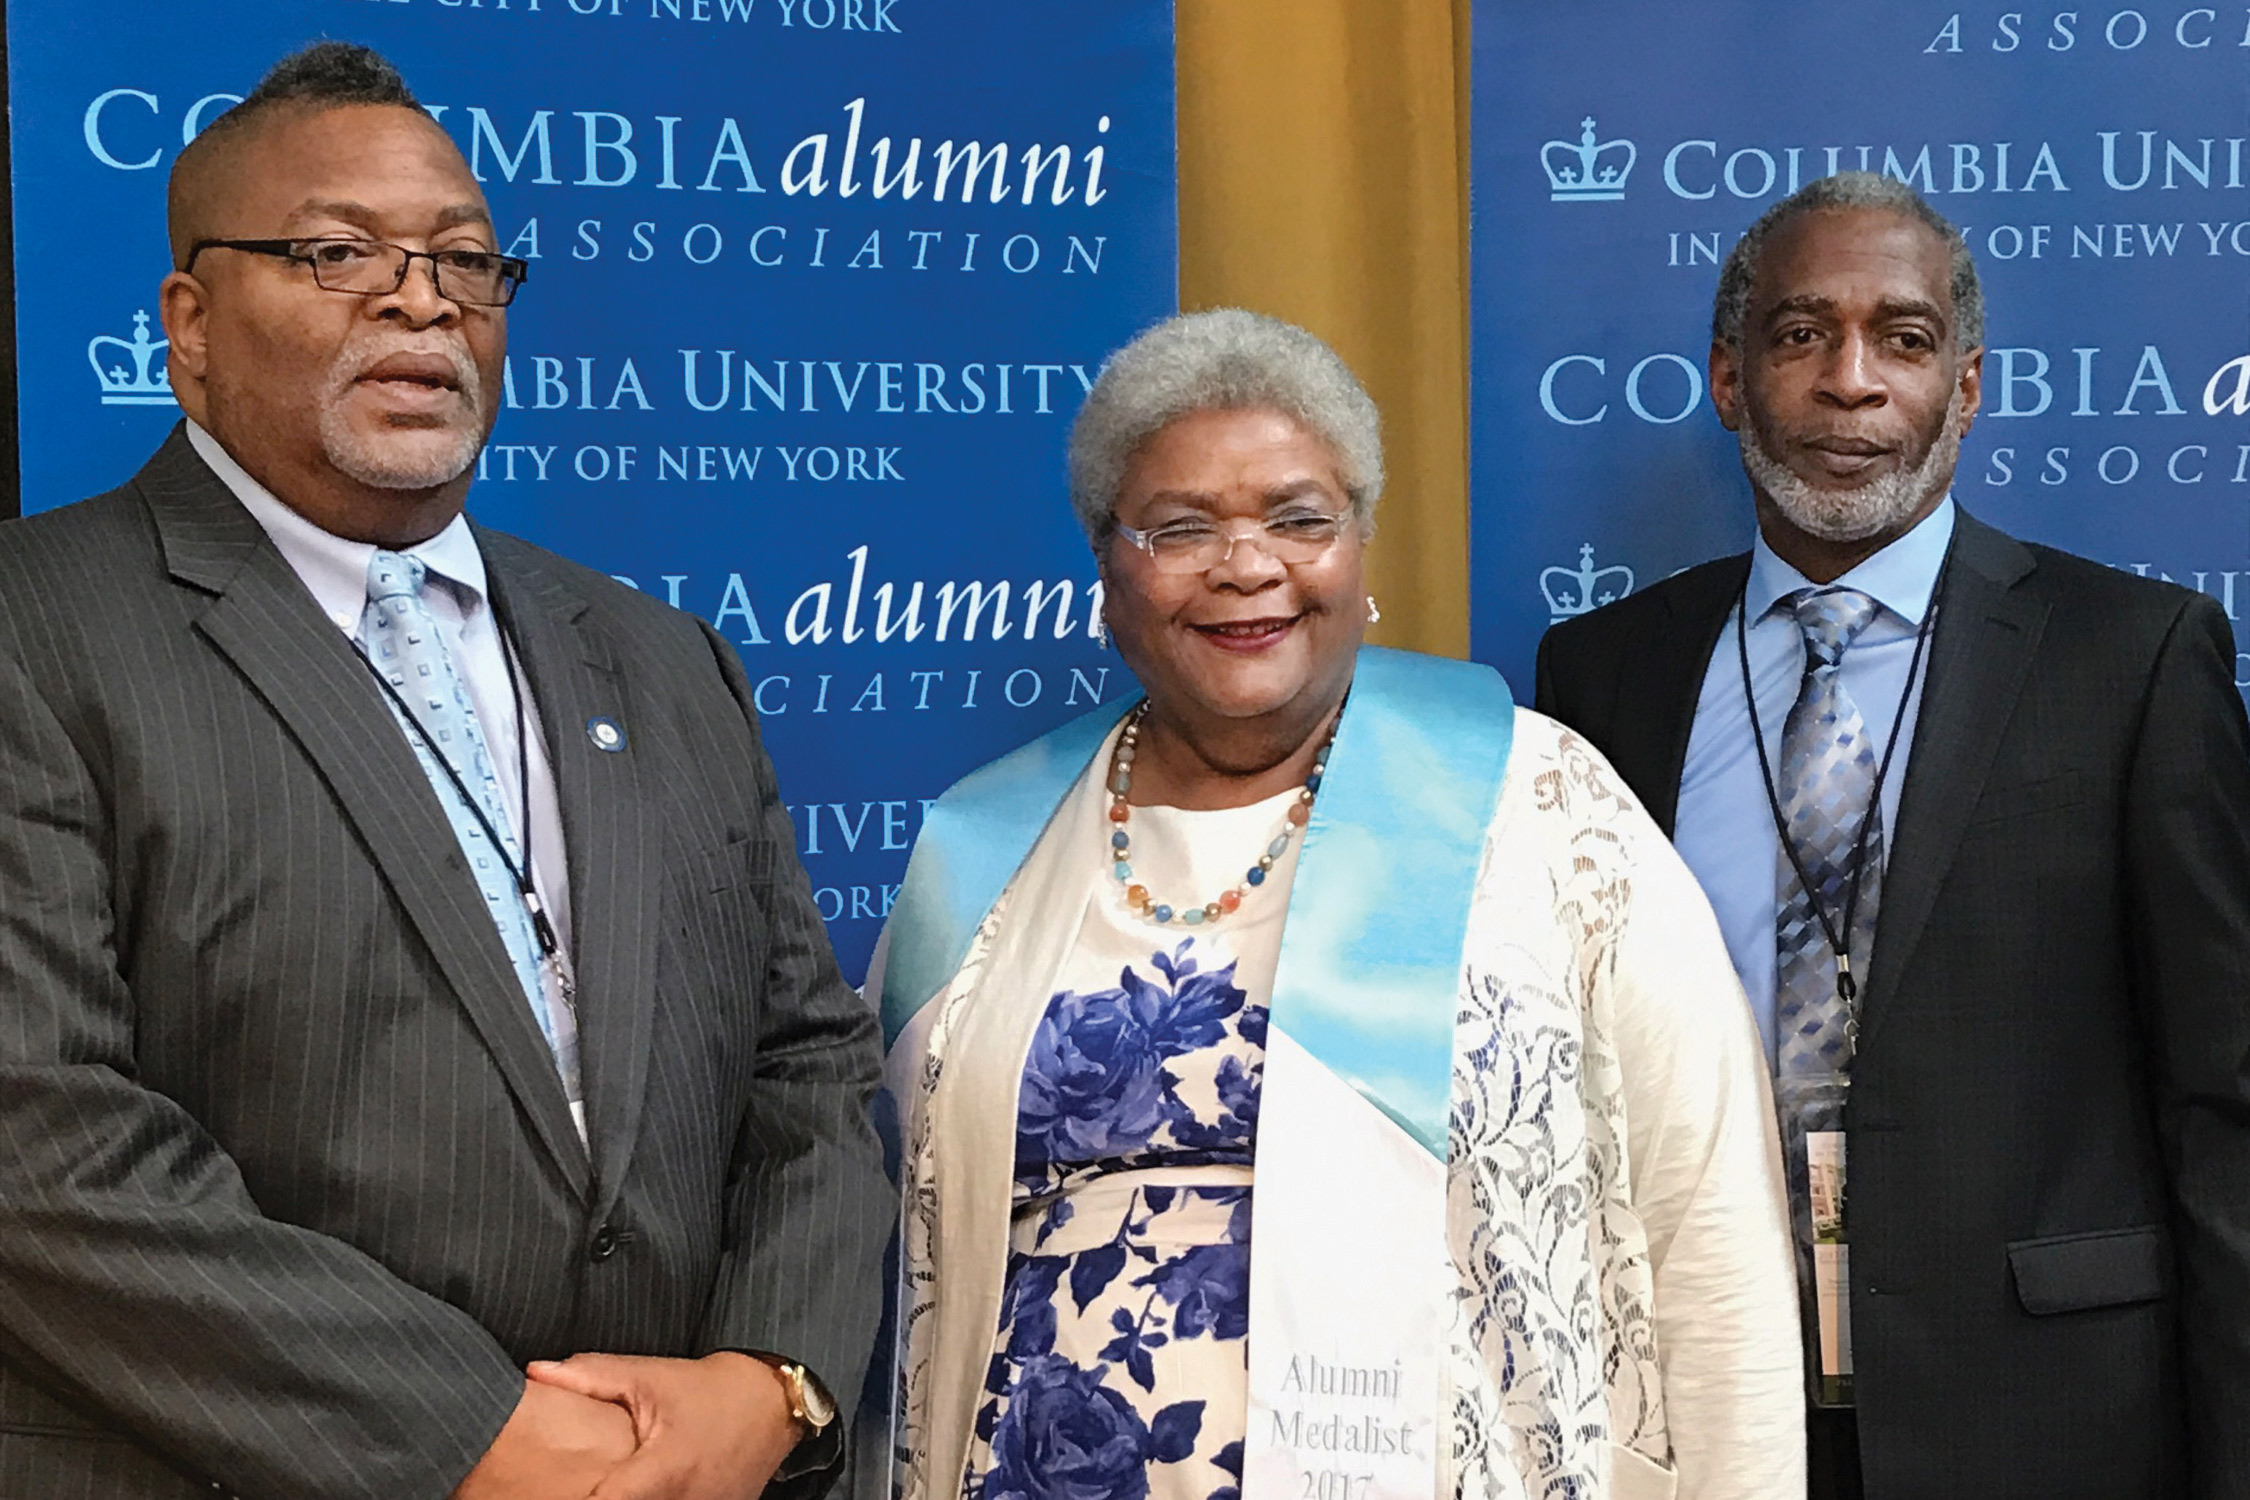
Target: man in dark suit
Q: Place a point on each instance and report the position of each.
(2008, 960)
(405, 974)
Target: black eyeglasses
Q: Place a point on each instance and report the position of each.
(374, 268)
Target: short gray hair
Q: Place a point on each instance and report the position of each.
(1226, 359)
(1731, 307)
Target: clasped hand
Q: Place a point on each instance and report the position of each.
(623, 1427)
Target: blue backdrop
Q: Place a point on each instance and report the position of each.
(2096, 158)
(816, 287)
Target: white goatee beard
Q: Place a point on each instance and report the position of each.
(1882, 504)
(418, 458)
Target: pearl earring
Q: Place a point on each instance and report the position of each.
(1373, 614)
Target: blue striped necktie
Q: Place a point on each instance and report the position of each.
(401, 638)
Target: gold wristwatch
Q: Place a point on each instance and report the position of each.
(809, 1403)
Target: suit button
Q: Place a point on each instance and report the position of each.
(604, 1245)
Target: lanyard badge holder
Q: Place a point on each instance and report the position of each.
(1811, 1105)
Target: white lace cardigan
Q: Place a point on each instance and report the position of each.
(1626, 1317)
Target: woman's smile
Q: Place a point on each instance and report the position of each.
(1247, 637)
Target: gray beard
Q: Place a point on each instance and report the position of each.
(426, 457)
(1882, 504)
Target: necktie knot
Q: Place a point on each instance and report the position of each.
(394, 575)
(1831, 619)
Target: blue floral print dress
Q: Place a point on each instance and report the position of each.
(1120, 1366)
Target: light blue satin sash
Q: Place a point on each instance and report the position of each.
(972, 843)
(1371, 954)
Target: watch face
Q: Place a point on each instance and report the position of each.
(819, 1410)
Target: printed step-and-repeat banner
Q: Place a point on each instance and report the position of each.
(816, 288)
(2096, 156)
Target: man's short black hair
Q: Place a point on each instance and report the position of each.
(327, 74)
(1730, 306)
(323, 76)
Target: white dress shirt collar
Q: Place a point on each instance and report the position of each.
(1901, 577)
(334, 569)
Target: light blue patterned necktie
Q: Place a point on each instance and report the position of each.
(401, 638)
(1826, 783)
(1826, 789)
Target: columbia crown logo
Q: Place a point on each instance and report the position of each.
(132, 374)
(1586, 172)
(1572, 594)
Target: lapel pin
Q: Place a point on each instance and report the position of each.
(606, 733)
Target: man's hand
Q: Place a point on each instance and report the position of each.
(714, 1428)
(557, 1446)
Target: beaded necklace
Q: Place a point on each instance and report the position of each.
(1137, 897)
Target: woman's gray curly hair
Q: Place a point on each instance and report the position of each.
(1226, 359)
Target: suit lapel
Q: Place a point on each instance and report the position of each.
(1987, 633)
(1662, 681)
(264, 621)
(610, 837)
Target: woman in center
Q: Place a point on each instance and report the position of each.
(1318, 1079)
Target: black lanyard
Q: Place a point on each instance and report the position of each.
(1839, 942)
(549, 944)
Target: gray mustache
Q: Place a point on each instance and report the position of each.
(357, 360)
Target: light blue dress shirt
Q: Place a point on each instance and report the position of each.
(1724, 825)
(334, 571)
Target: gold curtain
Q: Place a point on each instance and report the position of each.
(1324, 179)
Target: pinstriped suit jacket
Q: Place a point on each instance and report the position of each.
(289, 1190)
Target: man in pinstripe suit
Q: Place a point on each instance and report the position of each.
(316, 1143)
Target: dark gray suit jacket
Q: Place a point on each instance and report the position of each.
(2049, 1200)
(289, 1190)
